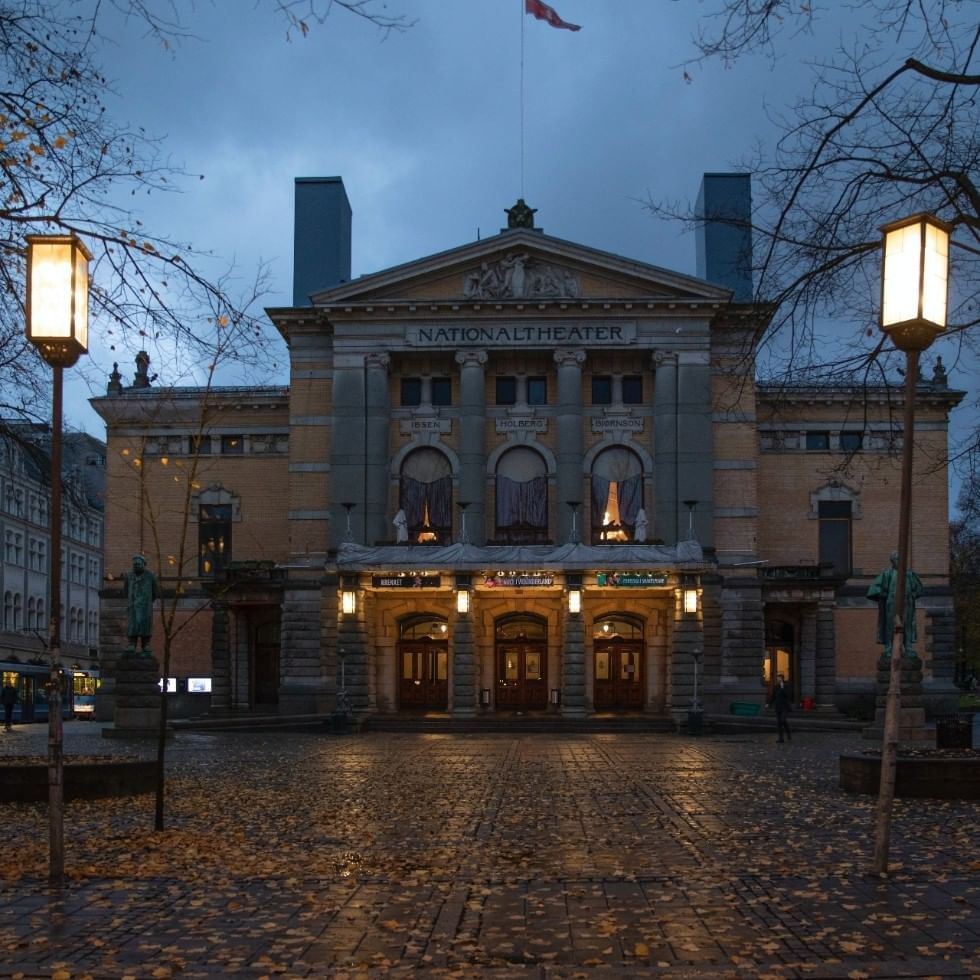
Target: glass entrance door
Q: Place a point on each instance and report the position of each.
(618, 681)
(424, 681)
(521, 680)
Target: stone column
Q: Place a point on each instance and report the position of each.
(573, 667)
(808, 652)
(352, 657)
(568, 438)
(695, 455)
(743, 640)
(304, 687)
(667, 524)
(464, 667)
(377, 522)
(221, 698)
(472, 480)
(687, 646)
(826, 667)
(348, 475)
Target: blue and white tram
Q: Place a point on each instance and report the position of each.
(31, 682)
(85, 685)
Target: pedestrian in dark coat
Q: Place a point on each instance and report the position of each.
(8, 697)
(782, 704)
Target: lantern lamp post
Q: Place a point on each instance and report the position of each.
(57, 325)
(914, 292)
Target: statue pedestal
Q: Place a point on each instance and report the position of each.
(911, 714)
(137, 696)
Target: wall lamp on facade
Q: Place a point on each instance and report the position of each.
(574, 583)
(348, 595)
(689, 593)
(462, 593)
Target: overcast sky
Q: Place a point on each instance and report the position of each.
(424, 126)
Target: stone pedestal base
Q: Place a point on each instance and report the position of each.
(911, 715)
(137, 697)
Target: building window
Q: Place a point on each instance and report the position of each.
(32, 622)
(442, 391)
(522, 496)
(18, 611)
(425, 497)
(200, 445)
(617, 497)
(632, 389)
(14, 547)
(537, 391)
(851, 442)
(601, 389)
(818, 441)
(8, 610)
(835, 535)
(506, 391)
(411, 394)
(214, 538)
(232, 445)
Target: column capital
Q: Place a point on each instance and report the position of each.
(378, 359)
(660, 357)
(471, 358)
(569, 358)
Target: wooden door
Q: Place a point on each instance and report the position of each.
(618, 676)
(265, 665)
(424, 677)
(522, 682)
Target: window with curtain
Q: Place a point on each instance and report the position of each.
(617, 495)
(426, 496)
(522, 496)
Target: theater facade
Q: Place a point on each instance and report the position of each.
(525, 475)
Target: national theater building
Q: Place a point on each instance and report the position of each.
(524, 475)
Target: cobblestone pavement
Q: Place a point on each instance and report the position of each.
(490, 855)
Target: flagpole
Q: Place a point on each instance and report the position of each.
(523, 18)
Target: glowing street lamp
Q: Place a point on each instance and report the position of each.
(57, 325)
(914, 292)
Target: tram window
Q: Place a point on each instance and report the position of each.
(532, 664)
(602, 665)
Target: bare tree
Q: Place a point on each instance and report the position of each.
(890, 128)
(67, 165)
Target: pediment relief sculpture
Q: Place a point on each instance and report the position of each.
(518, 276)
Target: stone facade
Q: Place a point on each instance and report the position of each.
(524, 418)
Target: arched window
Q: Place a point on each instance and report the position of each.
(617, 496)
(18, 611)
(32, 622)
(522, 496)
(8, 610)
(426, 496)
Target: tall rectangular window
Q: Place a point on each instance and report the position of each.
(537, 391)
(601, 389)
(411, 392)
(214, 538)
(632, 389)
(506, 391)
(442, 391)
(835, 535)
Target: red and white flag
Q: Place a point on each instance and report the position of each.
(543, 12)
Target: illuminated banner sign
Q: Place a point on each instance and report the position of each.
(518, 580)
(631, 578)
(405, 581)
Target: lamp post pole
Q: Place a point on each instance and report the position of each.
(57, 325)
(914, 287)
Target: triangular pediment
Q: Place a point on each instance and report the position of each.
(522, 264)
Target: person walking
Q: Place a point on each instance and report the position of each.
(8, 698)
(782, 704)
